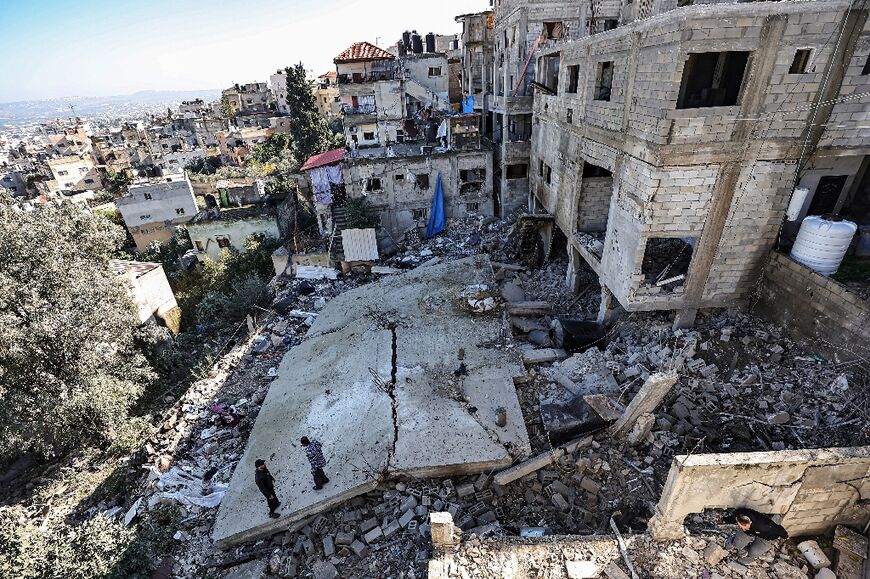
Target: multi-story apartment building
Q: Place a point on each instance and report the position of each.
(476, 57)
(667, 150)
(74, 173)
(278, 88)
(153, 208)
(326, 94)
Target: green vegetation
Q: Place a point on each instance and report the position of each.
(309, 131)
(359, 214)
(97, 547)
(69, 365)
(116, 183)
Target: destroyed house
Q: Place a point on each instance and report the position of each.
(666, 150)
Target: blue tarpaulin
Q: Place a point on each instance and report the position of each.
(468, 104)
(436, 215)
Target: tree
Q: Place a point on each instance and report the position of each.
(116, 183)
(309, 130)
(69, 367)
(273, 148)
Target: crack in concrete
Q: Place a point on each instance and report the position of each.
(391, 392)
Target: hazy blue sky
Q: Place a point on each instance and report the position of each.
(55, 48)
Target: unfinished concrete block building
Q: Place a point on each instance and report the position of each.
(667, 149)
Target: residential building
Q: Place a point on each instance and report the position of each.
(401, 187)
(153, 208)
(326, 94)
(278, 89)
(372, 99)
(667, 150)
(476, 57)
(74, 173)
(248, 98)
(150, 290)
(213, 230)
(324, 172)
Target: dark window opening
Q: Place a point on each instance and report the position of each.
(471, 207)
(179, 211)
(373, 184)
(541, 168)
(590, 170)
(610, 24)
(573, 78)
(421, 181)
(548, 174)
(148, 196)
(517, 171)
(472, 175)
(570, 115)
(666, 261)
(866, 69)
(603, 81)
(199, 246)
(369, 136)
(827, 194)
(223, 242)
(554, 30)
(548, 72)
(399, 177)
(418, 214)
(801, 61)
(712, 79)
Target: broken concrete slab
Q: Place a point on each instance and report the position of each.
(646, 401)
(418, 416)
(543, 356)
(539, 461)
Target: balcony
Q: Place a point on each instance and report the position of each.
(361, 114)
(358, 78)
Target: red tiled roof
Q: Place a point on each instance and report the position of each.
(329, 74)
(327, 158)
(363, 51)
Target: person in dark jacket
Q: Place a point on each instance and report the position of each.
(315, 458)
(756, 533)
(266, 483)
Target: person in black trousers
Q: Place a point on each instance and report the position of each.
(266, 483)
(756, 533)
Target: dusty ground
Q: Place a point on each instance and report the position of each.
(744, 386)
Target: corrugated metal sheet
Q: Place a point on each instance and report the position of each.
(359, 244)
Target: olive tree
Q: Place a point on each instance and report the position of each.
(69, 365)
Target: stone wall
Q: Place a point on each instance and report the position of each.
(811, 489)
(810, 306)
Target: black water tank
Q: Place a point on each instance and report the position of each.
(401, 46)
(430, 42)
(406, 38)
(416, 43)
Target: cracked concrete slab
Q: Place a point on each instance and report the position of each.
(445, 418)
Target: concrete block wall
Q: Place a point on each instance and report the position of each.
(761, 197)
(811, 489)
(849, 125)
(831, 319)
(398, 198)
(593, 203)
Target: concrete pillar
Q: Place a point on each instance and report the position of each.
(609, 309)
(442, 530)
(684, 319)
(572, 280)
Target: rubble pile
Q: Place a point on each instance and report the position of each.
(570, 557)
(463, 238)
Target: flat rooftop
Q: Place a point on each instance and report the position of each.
(419, 417)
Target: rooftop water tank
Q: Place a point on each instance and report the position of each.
(401, 46)
(430, 42)
(822, 242)
(416, 43)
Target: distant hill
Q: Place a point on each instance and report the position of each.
(15, 113)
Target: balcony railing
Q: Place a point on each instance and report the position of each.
(367, 109)
(370, 77)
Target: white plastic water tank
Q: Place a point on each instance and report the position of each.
(822, 242)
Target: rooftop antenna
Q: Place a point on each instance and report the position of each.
(73, 109)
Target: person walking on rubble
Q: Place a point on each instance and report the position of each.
(756, 533)
(315, 457)
(266, 483)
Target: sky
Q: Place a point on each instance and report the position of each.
(59, 48)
